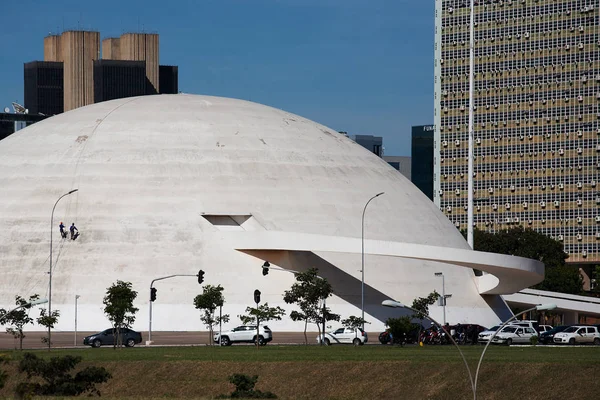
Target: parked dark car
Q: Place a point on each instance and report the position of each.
(107, 338)
(548, 336)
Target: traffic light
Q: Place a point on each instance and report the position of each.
(200, 276)
(265, 268)
(152, 294)
(257, 296)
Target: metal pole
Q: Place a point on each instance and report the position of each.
(220, 324)
(362, 270)
(324, 310)
(400, 305)
(150, 305)
(257, 327)
(75, 339)
(444, 297)
(50, 271)
(150, 317)
(488, 343)
(471, 127)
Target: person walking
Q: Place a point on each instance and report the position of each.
(73, 229)
(63, 233)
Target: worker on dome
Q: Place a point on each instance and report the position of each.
(73, 229)
(63, 233)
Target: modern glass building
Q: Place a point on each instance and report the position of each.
(422, 158)
(536, 118)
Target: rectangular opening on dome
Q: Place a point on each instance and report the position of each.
(233, 222)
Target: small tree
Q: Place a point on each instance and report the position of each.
(307, 293)
(47, 321)
(56, 378)
(118, 307)
(17, 319)
(399, 328)
(421, 307)
(208, 302)
(354, 322)
(262, 313)
(244, 388)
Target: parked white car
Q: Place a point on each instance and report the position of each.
(578, 334)
(344, 335)
(514, 334)
(545, 328)
(245, 334)
(486, 335)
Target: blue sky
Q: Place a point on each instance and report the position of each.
(365, 67)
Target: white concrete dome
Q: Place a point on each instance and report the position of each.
(167, 185)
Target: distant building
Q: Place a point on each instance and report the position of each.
(73, 74)
(44, 87)
(401, 163)
(422, 158)
(12, 122)
(536, 121)
(372, 143)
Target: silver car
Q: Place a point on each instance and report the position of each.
(514, 334)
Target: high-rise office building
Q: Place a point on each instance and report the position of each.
(44, 87)
(536, 118)
(422, 158)
(74, 74)
(372, 143)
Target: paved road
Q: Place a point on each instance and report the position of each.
(66, 339)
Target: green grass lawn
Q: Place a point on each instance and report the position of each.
(338, 372)
(271, 353)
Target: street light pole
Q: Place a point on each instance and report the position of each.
(75, 339)
(397, 304)
(149, 342)
(540, 307)
(33, 303)
(443, 294)
(50, 271)
(362, 270)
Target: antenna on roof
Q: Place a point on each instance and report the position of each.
(19, 109)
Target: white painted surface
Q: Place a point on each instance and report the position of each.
(148, 167)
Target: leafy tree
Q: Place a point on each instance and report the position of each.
(244, 388)
(17, 319)
(56, 378)
(399, 328)
(208, 302)
(118, 307)
(262, 313)
(421, 305)
(528, 243)
(596, 279)
(307, 293)
(518, 241)
(47, 321)
(563, 279)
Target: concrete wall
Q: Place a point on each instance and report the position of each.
(53, 48)
(80, 49)
(142, 46)
(111, 49)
